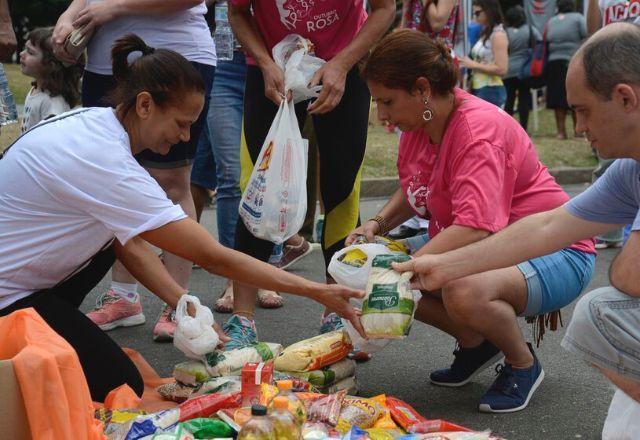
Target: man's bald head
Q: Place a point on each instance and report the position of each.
(610, 57)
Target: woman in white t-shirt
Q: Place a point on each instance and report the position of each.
(178, 25)
(71, 185)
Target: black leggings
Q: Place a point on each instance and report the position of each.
(341, 138)
(521, 87)
(104, 363)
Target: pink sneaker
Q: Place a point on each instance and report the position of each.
(112, 311)
(166, 325)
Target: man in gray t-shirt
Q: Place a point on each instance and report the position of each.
(603, 87)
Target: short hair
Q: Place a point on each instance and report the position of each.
(515, 16)
(611, 58)
(565, 6)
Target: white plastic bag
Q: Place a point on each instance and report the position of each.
(194, 336)
(293, 56)
(274, 203)
(623, 419)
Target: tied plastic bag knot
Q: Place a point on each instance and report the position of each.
(294, 55)
(194, 336)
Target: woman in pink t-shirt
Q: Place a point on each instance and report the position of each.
(471, 170)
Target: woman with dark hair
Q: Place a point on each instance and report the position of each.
(565, 32)
(522, 37)
(74, 197)
(471, 170)
(489, 57)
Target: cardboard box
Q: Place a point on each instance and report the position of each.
(253, 374)
(13, 415)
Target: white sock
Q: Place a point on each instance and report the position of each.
(126, 291)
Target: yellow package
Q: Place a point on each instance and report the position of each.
(385, 421)
(267, 393)
(354, 257)
(314, 353)
(360, 412)
(379, 434)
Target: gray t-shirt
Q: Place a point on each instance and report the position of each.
(613, 198)
(519, 45)
(565, 33)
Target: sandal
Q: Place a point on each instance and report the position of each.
(224, 304)
(268, 299)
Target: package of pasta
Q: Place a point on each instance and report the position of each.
(403, 413)
(389, 303)
(327, 375)
(230, 363)
(314, 353)
(359, 412)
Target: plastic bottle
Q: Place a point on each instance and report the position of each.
(223, 35)
(296, 407)
(258, 427)
(8, 110)
(284, 424)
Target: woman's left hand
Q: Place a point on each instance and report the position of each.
(95, 15)
(466, 62)
(333, 76)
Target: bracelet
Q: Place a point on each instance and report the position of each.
(382, 224)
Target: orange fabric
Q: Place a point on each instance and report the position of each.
(122, 397)
(52, 383)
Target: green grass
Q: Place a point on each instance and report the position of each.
(382, 147)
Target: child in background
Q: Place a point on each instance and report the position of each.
(56, 88)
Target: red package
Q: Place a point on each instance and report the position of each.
(253, 374)
(436, 425)
(403, 414)
(208, 404)
(322, 407)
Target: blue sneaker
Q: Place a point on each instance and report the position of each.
(513, 388)
(330, 323)
(467, 364)
(241, 330)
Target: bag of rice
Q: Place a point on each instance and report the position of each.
(190, 373)
(230, 363)
(389, 304)
(349, 384)
(327, 375)
(314, 353)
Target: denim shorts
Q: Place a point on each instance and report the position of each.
(555, 280)
(496, 95)
(605, 331)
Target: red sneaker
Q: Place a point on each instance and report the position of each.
(166, 325)
(112, 311)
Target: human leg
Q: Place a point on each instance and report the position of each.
(560, 115)
(510, 85)
(524, 102)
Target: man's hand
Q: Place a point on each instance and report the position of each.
(336, 299)
(8, 41)
(274, 83)
(95, 15)
(333, 76)
(63, 28)
(426, 277)
(369, 230)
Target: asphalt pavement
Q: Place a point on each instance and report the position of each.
(571, 403)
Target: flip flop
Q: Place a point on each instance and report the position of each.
(224, 304)
(268, 299)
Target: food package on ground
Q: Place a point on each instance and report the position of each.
(230, 363)
(322, 407)
(403, 414)
(385, 434)
(194, 335)
(175, 391)
(115, 420)
(436, 426)
(349, 384)
(448, 435)
(190, 372)
(145, 426)
(206, 428)
(299, 385)
(235, 417)
(176, 433)
(385, 421)
(389, 304)
(221, 385)
(314, 353)
(319, 431)
(253, 375)
(359, 412)
(327, 375)
(206, 405)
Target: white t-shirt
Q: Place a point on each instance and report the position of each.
(69, 186)
(40, 105)
(614, 11)
(185, 32)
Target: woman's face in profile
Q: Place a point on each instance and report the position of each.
(397, 106)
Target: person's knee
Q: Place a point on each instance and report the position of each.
(459, 299)
(583, 322)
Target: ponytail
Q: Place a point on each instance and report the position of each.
(163, 73)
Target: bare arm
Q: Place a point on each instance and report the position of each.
(453, 237)
(191, 241)
(438, 14)
(500, 65)
(624, 273)
(554, 230)
(8, 41)
(404, 12)
(594, 17)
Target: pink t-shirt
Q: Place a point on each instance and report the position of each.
(485, 174)
(330, 24)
